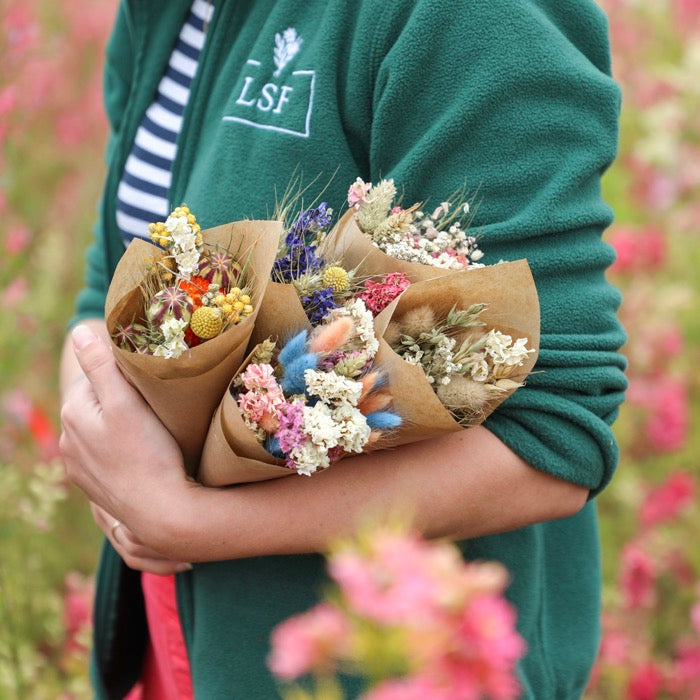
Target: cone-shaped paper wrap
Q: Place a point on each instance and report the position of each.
(184, 392)
(509, 291)
(281, 315)
(232, 453)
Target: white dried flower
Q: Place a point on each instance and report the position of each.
(353, 428)
(320, 426)
(331, 387)
(309, 458)
(479, 368)
(502, 350)
(172, 347)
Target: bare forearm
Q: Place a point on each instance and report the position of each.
(464, 485)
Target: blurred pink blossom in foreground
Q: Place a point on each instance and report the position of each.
(453, 633)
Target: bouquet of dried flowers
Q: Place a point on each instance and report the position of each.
(470, 368)
(304, 407)
(191, 292)
(447, 348)
(181, 312)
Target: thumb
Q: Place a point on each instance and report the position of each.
(97, 361)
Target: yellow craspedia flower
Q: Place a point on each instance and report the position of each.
(206, 322)
(336, 278)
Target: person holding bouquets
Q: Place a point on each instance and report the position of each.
(516, 100)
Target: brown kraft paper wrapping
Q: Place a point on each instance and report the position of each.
(184, 392)
(281, 315)
(509, 291)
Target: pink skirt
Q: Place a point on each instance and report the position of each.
(166, 673)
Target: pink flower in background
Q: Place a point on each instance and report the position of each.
(615, 647)
(684, 678)
(637, 577)
(667, 426)
(308, 642)
(653, 248)
(15, 292)
(695, 617)
(665, 502)
(646, 682)
(625, 241)
(672, 342)
(20, 29)
(32, 417)
(638, 248)
(77, 608)
(17, 239)
(687, 15)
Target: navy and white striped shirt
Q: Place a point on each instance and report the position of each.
(142, 196)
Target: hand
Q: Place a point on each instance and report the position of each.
(135, 554)
(118, 452)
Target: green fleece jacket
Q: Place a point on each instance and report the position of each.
(512, 98)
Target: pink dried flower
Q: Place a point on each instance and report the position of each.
(666, 501)
(259, 376)
(308, 642)
(289, 434)
(378, 295)
(77, 608)
(253, 405)
(357, 192)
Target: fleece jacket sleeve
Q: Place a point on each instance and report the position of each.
(90, 301)
(514, 100)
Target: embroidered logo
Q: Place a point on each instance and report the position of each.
(287, 46)
(279, 101)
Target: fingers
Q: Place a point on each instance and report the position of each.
(135, 554)
(97, 361)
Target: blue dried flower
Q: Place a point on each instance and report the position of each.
(311, 222)
(299, 260)
(318, 304)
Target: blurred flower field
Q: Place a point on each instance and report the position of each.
(52, 133)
